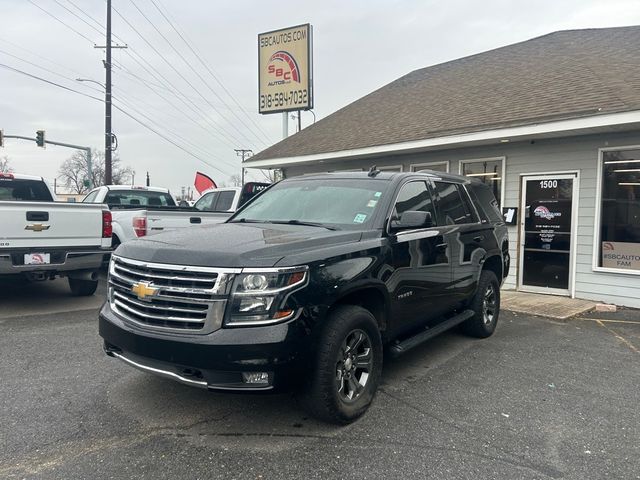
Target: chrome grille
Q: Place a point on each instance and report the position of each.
(175, 298)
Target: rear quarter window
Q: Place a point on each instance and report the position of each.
(486, 203)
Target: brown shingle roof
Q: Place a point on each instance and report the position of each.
(562, 75)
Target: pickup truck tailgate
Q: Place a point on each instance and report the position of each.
(52, 224)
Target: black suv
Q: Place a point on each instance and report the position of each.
(308, 283)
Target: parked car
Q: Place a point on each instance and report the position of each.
(306, 284)
(139, 211)
(41, 239)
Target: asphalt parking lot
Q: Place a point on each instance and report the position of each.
(540, 399)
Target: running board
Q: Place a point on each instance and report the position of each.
(404, 346)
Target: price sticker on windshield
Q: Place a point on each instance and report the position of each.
(360, 218)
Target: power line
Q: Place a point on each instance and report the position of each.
(41, 57)
(2, 65)
(190, 65)
(190, 104)
(206, 66)
(150, 86)
(128, 103)
(45, 69)
(79, 17)
(235, 139)
(62, 22)
(100, 91)
(35, 77)
(87, 15)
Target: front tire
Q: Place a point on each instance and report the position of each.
(82, 288)
(486, 306)
(347, 367)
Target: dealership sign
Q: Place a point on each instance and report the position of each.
(621, 255)
(285, 70)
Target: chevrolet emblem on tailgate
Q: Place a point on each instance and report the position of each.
(143, 290)
(37, 227)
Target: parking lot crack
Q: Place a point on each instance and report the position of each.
(623, 340)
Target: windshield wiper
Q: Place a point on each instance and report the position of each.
(246, 220)
(298, 222)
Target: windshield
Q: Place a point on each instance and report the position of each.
(341, 203)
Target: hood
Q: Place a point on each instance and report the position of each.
(233, 245)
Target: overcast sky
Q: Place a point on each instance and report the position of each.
(359, 46)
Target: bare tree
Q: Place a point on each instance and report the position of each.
(74, 171)
(235, 180)
(5, 165)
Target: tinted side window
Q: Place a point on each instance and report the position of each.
(453, 208)
(225, 201)
(206, 203)
(486, 203)
(414, 196)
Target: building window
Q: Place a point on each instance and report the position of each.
(389, 168)
(619, 243)
(488, 171)
(436, 166)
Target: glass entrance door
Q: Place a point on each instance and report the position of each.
(546, 233)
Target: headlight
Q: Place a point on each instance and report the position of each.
(259, 295)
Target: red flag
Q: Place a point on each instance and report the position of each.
(203, 182)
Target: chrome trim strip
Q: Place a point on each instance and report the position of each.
(134, 301)
(168, 266)
(167, 277)
(162, 373)
(120, 304)
(302, 268)
(257, 323)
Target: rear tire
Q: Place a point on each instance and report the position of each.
(82, 288)
(486, 306)
(347, 367)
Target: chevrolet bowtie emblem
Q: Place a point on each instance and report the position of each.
(37, 227)
(143, 290)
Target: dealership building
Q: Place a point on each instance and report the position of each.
(551, 124)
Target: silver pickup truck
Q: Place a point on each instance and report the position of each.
(41, 239)
(140, 211)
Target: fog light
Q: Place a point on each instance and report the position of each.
(255, 378)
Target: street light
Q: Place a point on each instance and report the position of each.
(89, 80)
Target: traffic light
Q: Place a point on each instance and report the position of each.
(40, 138)
(1, 138)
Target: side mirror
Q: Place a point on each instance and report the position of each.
(412, 219)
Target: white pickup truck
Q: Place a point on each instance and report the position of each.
(41, 239)
(141, 211)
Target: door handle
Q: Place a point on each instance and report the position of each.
(195, 220)
(37, 216)
(441, 246)
(478, 238)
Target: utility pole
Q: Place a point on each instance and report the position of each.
(108, 134)
(107, 105)
(148, 179)
(244, 153)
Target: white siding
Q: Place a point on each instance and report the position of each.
(552, 155)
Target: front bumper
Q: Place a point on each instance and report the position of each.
(63, 261)
(214, 361)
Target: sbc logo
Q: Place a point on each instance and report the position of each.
(284, 67)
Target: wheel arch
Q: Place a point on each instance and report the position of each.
(370, 298)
